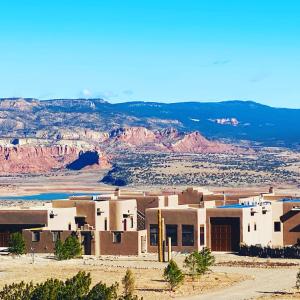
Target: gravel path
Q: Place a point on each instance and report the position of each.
(265, 282)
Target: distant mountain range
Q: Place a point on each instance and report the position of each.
(229, 120)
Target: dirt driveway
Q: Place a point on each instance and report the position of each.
(265, 282)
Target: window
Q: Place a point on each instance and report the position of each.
(277, 226)
(131, 222)
(202, 236)
(153, 234)
(35, 236)
(69, 226)
(248, 227)
(117, 237)
(98, 212)
(171, 231)
(55, 236)
(255, 227)
(187, 235)
(105, 224)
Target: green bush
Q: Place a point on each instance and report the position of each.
(17, 244)
(103, 292)
(71, 248)
(198, 263)
(75, 288)
(173, 275)
(17, 291)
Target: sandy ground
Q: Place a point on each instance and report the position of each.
(223, 282)
(148, 274)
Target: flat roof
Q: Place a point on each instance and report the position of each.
(235, 206)
(288, 200)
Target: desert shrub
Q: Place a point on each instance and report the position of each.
(128, 282)
(298, 280)
(75, 288)
(103, 292)
(71, 248)
(16, 244)
(51, 289)
(264, 252)
(173, 275)
(17, 291)
(198, 263)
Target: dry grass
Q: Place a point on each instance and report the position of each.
(149, 281)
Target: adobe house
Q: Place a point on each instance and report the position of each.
(104, 227)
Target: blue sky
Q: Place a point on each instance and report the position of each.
(152, 50)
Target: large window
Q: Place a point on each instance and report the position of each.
(277, 226)
(187, 235)
(153, 234)
(171, 231)
(202, 235)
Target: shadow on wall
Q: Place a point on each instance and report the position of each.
(85, 159)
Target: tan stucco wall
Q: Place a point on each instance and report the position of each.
(117, 208)
(277, 212)
(263, 233)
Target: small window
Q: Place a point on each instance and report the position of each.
(69, 226)
(171, 231)
(35, 236)
(153, 234)
(255, 227)
(131, 222)
(248, 227)
(187, 235)
(202, 236)
(105, 224)
(264, 212)
(55, 236)
(277, 226)
(117, 237)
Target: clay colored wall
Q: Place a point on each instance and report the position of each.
(179, 217)
(130, 243)
(23, 216)
(291, 223)
(45, 244)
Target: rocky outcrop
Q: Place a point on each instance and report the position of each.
(40, 159)
(168, 140)
(197, 143)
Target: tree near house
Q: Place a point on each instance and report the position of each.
(16, 244)
(198, 263)
(173, 275)
(71, 248)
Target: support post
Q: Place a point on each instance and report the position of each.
(169, 249)
(160, 256)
